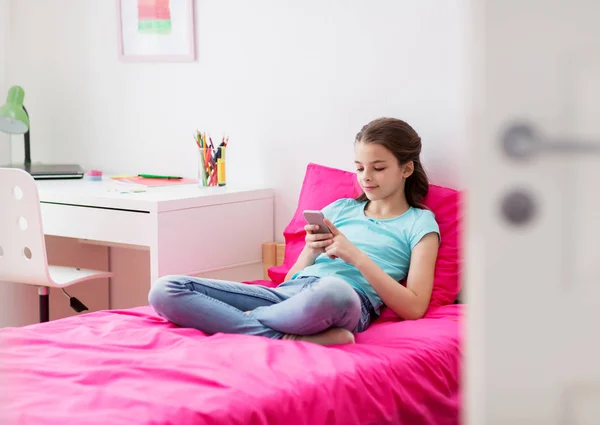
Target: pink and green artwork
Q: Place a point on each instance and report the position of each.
(154, 17)
(156, 30)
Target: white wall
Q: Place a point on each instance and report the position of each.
(291, 82)
(4, 34)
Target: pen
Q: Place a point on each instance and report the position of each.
(153, 176)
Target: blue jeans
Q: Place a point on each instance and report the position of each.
(303, 306)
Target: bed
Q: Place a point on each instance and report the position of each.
(133, 367)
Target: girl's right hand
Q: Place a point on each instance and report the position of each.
(316, 242)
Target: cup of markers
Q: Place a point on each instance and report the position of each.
(211, 160)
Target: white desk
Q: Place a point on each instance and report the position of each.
(188, 230)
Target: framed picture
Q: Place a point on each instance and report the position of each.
(156, 30)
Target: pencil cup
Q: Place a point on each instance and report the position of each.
(207, 168)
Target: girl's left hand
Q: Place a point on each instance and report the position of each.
(341, 246)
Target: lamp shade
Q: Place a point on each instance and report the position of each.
(13, 118)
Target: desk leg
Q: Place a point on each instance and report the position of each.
(134, 271)
(154, 250)
(131, 277)
(154, 264)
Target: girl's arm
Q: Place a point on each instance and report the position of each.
(408, 302)
(315, 245)
(305, 259)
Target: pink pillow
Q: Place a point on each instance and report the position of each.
(446, 205)
(323, 185)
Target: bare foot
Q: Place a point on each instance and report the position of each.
(333, 336)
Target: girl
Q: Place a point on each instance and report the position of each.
(341, 279)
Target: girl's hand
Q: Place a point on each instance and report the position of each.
(341, 247)
(316, 242)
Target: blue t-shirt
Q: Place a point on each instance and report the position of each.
(388, 243)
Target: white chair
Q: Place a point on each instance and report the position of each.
(22, 245)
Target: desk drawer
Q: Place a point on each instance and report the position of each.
(198, 240)
(107, 225)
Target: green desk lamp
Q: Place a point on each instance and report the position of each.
(14, 119)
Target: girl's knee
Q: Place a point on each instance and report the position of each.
(163, 289)
(338, 294)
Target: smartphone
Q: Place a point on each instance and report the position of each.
(316, 217)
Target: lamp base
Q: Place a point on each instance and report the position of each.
(51, 171)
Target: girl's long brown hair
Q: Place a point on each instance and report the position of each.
(404, 142)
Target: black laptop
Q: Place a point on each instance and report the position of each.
(53, 171)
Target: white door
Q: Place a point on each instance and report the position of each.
(533, 241)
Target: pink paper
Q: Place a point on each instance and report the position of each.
(154, 182)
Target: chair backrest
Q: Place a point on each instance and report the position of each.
(22, 246)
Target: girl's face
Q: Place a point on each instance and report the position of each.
(378, 171)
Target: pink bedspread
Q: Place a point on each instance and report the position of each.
(132, 367)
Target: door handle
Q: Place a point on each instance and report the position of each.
(523, 141)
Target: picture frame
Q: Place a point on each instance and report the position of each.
(156, 30)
